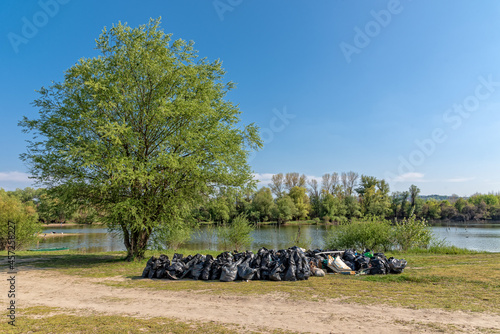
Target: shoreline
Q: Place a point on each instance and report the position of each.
(52, 235)
(70, 224)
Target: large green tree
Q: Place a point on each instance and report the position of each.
(141, 131)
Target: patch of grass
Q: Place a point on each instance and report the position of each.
(425, 327)
(56, 320)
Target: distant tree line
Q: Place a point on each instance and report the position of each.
(337, 198)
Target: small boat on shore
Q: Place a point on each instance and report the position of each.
(48, 249)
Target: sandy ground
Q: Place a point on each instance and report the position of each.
(50, 288)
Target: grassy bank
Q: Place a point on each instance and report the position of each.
(56, 320)
(441, 278)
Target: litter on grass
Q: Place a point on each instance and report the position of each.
(290, 264)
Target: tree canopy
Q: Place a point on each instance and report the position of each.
(141, 132)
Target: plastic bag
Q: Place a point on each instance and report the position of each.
(207, 267)
(229, 271)
(378, 266)
(396, 266)
(149, 266)
(275, 273)
(198, 268)
(292, 269)
(245, 272)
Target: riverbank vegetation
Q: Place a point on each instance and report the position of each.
(364, 210)
(292, 199)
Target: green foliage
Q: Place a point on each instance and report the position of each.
(352, 207)
(300, 240)
(142, 132)
(382, 236)
(412, 233)
(284, 210)
(374, 197)
(237, 234)
(333, 208)
(489, 199)
(171, 236)
(262, 205)
(25, 220)
(219, 210)
(301, 201)
(85, 215)
(371, 234)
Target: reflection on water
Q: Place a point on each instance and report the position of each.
(97, 239)
(89, 239)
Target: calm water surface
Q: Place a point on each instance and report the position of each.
(482, 237)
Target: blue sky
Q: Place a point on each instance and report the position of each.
(403, 90)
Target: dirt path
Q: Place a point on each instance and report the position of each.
(49, 288)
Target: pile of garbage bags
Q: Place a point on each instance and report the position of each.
(282, 265)
(371, 263)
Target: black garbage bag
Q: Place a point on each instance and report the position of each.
(207, 267)
(276, 271)
(216, 270)
(362, 262)
(265, 262)
(396, 266)
(303, 271)
(255, 264)
(149, 267)
(378, 266)
(292, 269)
(156, 265)
(350, 264)
(349, 255)
(191, 266)
(230, 271)
(225, 258)
(198, 268)
(384, 261)
(245, 272)
(177, 257)
(161, 267)
(175, 270)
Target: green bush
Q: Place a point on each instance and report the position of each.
(408, 234)
(23, 216)
(171, 236)
(412, 233)
(300, 240)
(374, 235)
(237, 234)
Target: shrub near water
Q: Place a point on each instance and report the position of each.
(23, 216)
(237, 234)
(373, 235)
(412, 233)
(381, 235)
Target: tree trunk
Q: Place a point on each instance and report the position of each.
(136, 243)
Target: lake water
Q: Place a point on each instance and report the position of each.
(482, 237)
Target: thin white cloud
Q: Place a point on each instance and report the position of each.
(410, 177)
(15, 177)
(459, 179)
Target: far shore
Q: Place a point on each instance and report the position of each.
(51, 235)
(69, 224)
